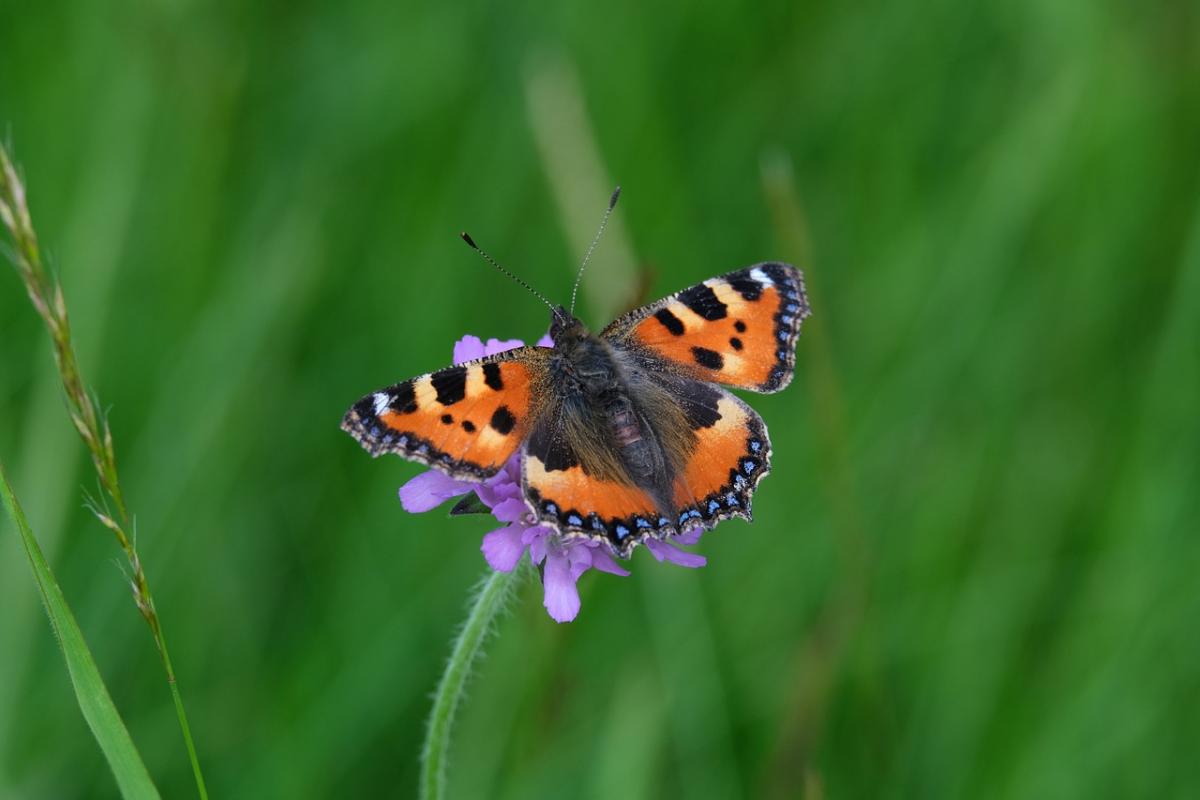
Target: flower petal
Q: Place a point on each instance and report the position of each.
(538, 548)
(468, 348)
(536, 533)
(603, 561)
(503, 548)
(429, 490)
(504, 485)
(665, 552)
(500, 345)
(510, 510)
(545, 341)
(689, 536)
(561, 597)
(580, 557)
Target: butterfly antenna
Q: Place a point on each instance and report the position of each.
(466, 237)
(612, 202)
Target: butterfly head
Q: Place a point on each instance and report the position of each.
(564, 327)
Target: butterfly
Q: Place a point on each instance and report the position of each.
(623, 435)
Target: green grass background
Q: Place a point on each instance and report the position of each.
(973, 572)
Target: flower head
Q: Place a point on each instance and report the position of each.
(563, 559)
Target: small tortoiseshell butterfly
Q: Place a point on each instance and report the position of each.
(624, 435)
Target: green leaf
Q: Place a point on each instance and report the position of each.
(470, 504)
(94, 700)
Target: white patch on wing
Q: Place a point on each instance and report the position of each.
(731, 416)
(726, 294)
(424, 392)
(692, 321)
(733, 364)
(762, 277)
(491, 439)
(474, 383)
(382, 400)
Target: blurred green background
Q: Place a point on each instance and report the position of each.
(974, 570)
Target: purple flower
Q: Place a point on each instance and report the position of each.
(563, 559)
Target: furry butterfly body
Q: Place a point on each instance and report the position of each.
(624, 435)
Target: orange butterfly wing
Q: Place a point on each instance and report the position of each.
(573, 501)
(739, 329)
(466, 420)
(731, 456)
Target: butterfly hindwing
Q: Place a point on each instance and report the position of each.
(739, 329)
(465, 421)
(731, 455)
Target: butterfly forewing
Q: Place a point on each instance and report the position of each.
(739, 329)
(466, 420)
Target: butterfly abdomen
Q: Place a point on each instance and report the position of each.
(639, 449)
(625, 426)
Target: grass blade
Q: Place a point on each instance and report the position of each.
(48, 300)
(94, 700)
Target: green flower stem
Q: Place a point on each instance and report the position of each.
(489, 602)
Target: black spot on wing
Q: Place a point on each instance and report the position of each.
(503, 421)
(736, 343)
(739, 326)
(450, 385)
(708, 358)
(447, 419)
(669, 321)
(468, 426)
(779, 274)
(553, 451)
(491, 376)
(365, 408)
(699, 403)
(704, 302)
(404, 399)
(745, 285)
